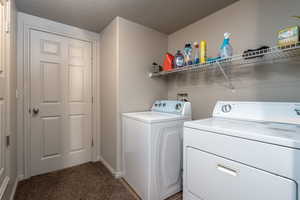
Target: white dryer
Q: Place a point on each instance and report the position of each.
(246, 151)
(152, 148)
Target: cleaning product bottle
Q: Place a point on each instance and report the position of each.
(226, 49)
(187, 51)
(178, 60)
(168, 63)
(203, 51)
(196, 46)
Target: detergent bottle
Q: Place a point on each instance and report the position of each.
(179, 59)
(203, 51)
(196, 52)
(226, 49)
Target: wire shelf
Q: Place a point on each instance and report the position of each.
(271, 54)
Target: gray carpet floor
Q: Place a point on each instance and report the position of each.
(91, 181)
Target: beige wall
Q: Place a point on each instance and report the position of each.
(12, 103)
(108, 93)
(139, 47)
(127, 52)
(252, 23)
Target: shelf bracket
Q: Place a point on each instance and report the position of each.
(226, 77)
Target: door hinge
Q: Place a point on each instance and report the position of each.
(92, 142)
(7, 141)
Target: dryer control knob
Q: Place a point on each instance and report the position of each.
(226, 108)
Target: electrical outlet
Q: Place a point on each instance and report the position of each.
(182, 96)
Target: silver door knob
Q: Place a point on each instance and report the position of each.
(35, 111)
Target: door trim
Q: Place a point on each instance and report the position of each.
(25, 24)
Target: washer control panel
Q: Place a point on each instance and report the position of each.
(167, 106)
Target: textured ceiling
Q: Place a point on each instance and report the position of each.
(166, 16)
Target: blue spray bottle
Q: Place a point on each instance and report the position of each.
(226, 49)
(187, 52)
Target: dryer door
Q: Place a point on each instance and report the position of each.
(210, 177)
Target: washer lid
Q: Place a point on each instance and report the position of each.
(153, 117)
(275, 133)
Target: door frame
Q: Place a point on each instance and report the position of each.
(26, 23)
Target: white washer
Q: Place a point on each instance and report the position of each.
(246, 151)
(152, 146)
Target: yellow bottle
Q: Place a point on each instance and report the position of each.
(203, 52)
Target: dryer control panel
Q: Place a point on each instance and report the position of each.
(279, 112)
(172, 107)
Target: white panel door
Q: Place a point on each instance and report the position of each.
(79, 102)
(60, 88)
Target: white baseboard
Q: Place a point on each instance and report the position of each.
(116, 174)
(98, 158)
(107, 165)
(19, 178)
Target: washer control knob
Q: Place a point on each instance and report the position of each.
(164, 104)
(178, 106)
